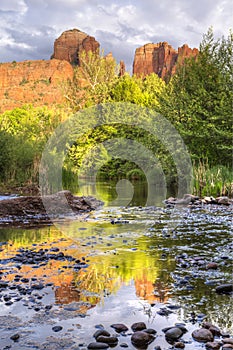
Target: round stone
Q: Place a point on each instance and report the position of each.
(202, 335)
(173, 333)
(141, 338)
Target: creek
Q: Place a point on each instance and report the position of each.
(119, 264)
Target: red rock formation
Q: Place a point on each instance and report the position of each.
(122, 68)
(71, 42)
(159, 58)
(36, 82)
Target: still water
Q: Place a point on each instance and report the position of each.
(130, 263)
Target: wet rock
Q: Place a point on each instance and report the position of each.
(225, 335)
(150, 330)
(212, 266)
(124, 345)
(138, 326)
(3, 284)
(157, 347)
(207, 325)
(173, 333)
(203, 335)
(227, 341)
(141, 338)
(119, 327)
(107, 340)
(213, 345)
(15, 337)
(38, 286)
(179, 345)
(215, 331)
(101, 332)
(57, 328)
(96, 345)
(223, 200)
(227, 346)
(224, 288)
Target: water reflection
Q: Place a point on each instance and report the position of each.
(121, 192)
(139, 254)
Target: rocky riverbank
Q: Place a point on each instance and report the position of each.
(30, 210)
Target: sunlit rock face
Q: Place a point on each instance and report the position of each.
(37, 82)
(71, 43)
(160, 58)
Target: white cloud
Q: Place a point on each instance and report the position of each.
(28, 28)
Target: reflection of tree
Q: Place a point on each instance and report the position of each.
(161, 291)
(96, 281)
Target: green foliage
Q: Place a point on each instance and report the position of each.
(23, 81)
(91, 81)
(143, 92)
(23, 134)
(198, 101)
(215, 181)
(135, 174)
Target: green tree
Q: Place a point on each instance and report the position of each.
(198, 101)
(143, 92)
(91, 81)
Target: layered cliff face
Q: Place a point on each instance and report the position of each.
(36, 82)
(71, 43)
(39, 82)
(160, 58)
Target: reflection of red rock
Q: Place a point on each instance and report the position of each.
(66, 294)
(160, 58)
(150, 291)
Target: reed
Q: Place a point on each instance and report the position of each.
(212, 181)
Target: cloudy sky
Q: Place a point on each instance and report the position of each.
(28, 28)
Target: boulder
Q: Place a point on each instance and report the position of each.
(142, 339)
(202, 335)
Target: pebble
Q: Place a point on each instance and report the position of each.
(119, 327)
(15, 337)
(96, 345)
(138, 326)
(101, 332)
(202, 335)
(107, 340)
(212, 266)
(224, 288)
(179, 345)
(57, 328)
(173, 333)
(141, 338)
(213, 346)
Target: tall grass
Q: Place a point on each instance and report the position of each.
(212, 181)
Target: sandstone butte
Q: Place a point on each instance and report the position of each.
(160, 58)
(40, 82)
